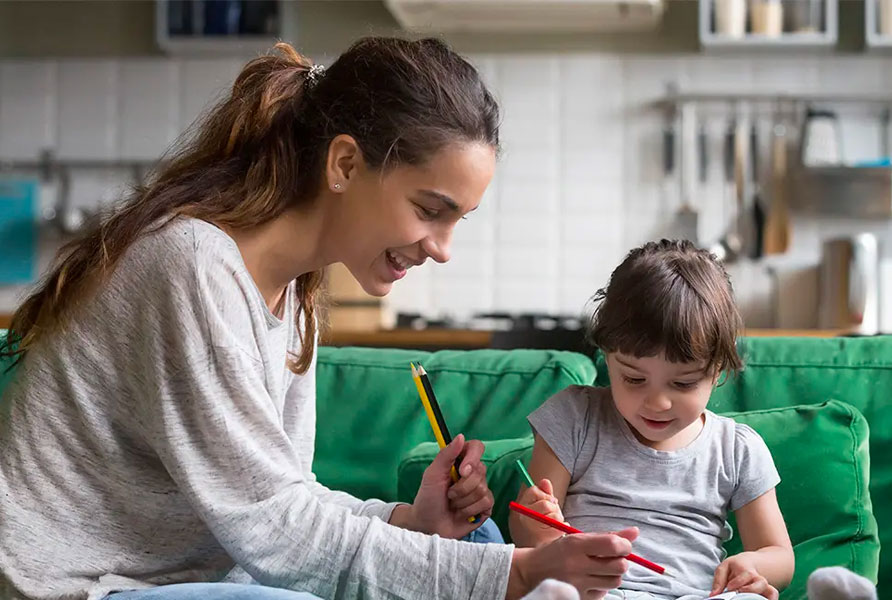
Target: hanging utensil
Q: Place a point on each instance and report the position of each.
(777, 226)
(685, 222)
(668, 154)
(757, 211)
(702, 153)
(745, 230)
(727, 249)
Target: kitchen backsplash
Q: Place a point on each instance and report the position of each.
(579, 183)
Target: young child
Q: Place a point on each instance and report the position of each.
(646, 452)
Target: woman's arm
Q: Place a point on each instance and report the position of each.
(547, 497)
(768, 552)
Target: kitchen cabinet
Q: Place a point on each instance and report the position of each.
(768, 24)
(217, 26)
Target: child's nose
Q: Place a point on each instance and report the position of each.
(657, 402)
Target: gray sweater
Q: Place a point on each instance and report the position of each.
(160, 438)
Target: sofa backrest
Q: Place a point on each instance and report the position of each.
(369, 414)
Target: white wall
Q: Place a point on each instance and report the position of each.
(579, 184)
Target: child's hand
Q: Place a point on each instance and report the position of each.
(738, 574)
(541, 499)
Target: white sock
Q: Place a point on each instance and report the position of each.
(552, 589)
(838, 583)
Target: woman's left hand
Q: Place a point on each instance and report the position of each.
(443, 507)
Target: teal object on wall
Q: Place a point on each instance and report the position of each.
(18, 231)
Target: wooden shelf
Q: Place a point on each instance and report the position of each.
(411, 338)
(763, 42)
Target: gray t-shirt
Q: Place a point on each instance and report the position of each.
(160, 438)
(679, 499)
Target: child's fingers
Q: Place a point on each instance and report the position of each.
(549, 509)
(762, 588)
(720, 581)
(742, 579)
(532, 495)
(546, 487)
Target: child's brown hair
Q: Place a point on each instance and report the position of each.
(670, 297)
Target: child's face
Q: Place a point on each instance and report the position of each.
(662, 401)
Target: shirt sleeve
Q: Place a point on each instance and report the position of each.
(756, 473)
(563, 423)
(208, 417)
(299, 422)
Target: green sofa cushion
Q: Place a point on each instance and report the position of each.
(369, 414)
(858, 371)
(822, 456)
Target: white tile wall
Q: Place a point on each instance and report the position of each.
(580, 180)
(28, 114)
(88, 101)
(148, 93)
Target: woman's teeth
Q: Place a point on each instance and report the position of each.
(398, 260)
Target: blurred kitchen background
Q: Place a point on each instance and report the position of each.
(758, 128)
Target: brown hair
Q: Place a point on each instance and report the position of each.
(670, 297)
(262, 150)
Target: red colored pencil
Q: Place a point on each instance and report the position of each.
(567, 529)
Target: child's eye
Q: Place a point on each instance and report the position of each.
(686, 385)
(633, 380)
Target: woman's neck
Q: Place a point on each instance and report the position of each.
(278, 252)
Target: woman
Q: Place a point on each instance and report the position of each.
(160, 427)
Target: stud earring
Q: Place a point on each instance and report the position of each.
(337, 186)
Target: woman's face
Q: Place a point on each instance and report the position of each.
(397, 220)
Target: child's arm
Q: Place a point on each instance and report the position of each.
(767, 561)
(547, 497)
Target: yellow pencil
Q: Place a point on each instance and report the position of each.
(432, 419)
(430, 415)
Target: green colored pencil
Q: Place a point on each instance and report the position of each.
(523, 471)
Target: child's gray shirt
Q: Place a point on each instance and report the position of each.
(679, 500)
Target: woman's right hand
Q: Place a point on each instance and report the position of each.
(593, 563)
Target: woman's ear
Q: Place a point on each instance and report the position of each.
(343, 162)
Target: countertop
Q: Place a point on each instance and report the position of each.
(467, 339)
(458, 338)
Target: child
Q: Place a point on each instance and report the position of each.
(646, 451)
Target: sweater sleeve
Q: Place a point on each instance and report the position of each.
(218, 433)
(299, 422)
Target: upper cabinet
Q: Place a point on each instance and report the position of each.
(217, 26)
(768, 23)
(878, 23)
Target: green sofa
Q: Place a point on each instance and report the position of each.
(807, 397)
(811, 399)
